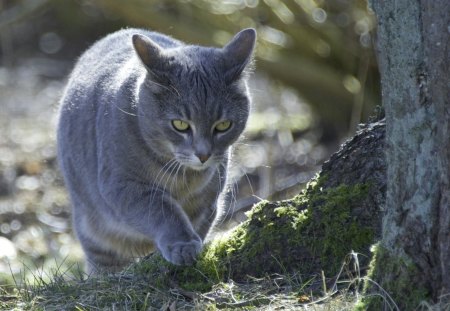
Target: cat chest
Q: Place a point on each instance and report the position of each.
(193, 192)
(188, 186)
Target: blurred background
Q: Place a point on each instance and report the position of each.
(316, 79)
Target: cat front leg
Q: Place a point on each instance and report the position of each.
(155, 214)
(180, 252)
(204, 221)
(177, 240)
(174, 234)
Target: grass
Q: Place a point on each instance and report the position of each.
(67, 288)
(70, 290)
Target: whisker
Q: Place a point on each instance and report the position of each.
(245, 144)
(169, 88)
(244, 173)
(188, 188)
(157, 183)
(175, 179)
(170, 170)
(219, 190)
(125, 112)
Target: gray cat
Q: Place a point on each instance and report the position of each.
(144, 135)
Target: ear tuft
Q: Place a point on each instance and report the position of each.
(238, 52)
(148, 51)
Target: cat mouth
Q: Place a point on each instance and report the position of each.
(194, 163)
(197, 166)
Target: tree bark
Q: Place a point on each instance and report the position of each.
(414, 62)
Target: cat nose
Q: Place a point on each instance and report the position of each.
(203, 157)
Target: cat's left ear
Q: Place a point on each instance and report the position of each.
(154, 57)
(237, 54)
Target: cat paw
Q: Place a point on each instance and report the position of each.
(182, 253)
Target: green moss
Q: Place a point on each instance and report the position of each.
(164, 275)
(314, 231)
(335, 230)
(392, 281)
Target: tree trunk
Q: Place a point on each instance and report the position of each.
(413, 259)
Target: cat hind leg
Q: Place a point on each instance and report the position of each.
(100, 261)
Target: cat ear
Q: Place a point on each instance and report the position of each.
(238, 53)
(150, 53)
(154, 58)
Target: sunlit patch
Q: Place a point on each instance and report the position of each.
(7, 249)
(351, 84)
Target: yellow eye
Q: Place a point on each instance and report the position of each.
(180, 125)
(223, 126)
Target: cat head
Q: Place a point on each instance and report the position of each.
(194, 101)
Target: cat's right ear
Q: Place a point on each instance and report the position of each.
(237, 54)
(150, 53)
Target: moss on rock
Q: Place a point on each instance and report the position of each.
(398, 280)
(314, 231)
